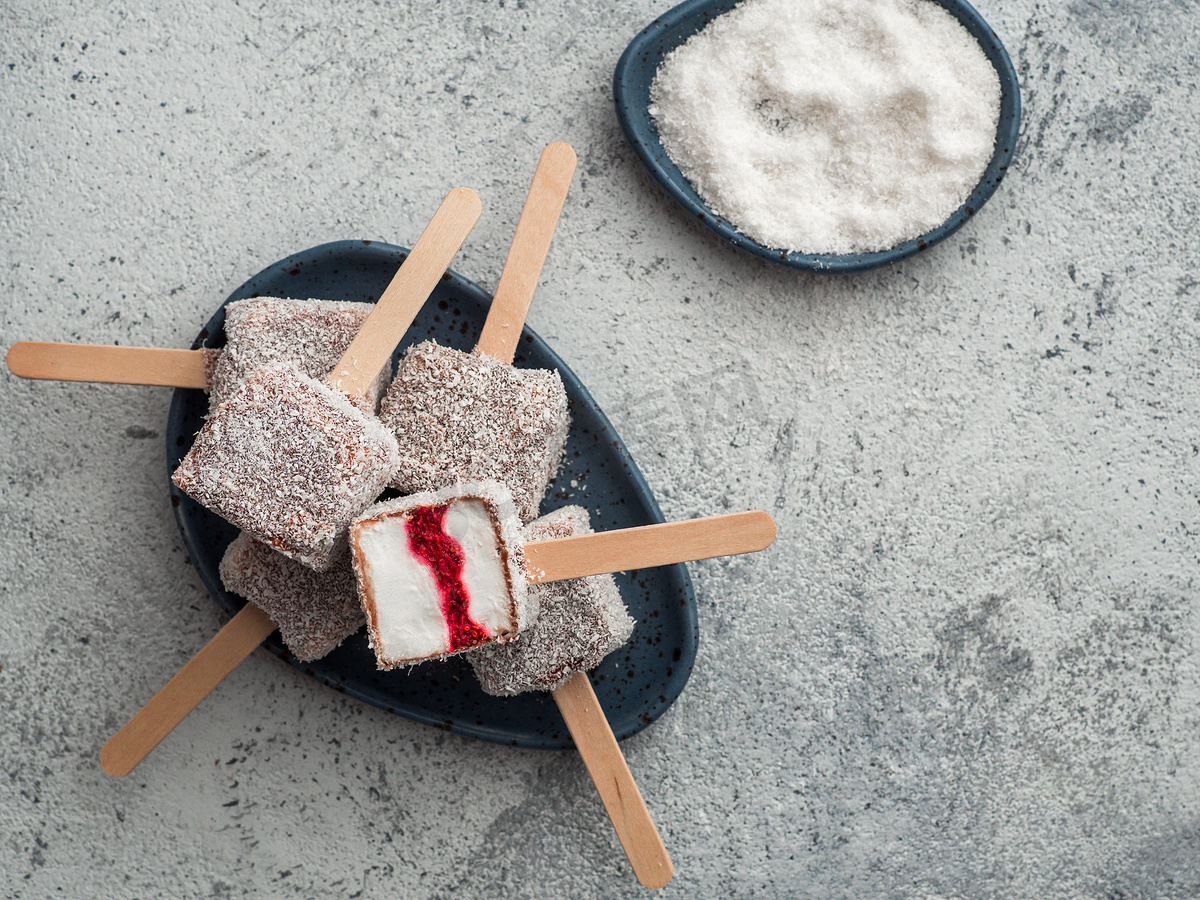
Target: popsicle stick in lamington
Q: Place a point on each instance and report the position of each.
(309, 334)
(51, 361)
(461, 416)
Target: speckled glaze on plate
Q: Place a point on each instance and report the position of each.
(631, 91)
(635, 684)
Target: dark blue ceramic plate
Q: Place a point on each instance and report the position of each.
(631, 91)
(635, 684)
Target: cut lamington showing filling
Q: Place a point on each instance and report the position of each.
(440, 573)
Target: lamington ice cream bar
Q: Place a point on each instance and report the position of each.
(314, 611)
(311, 335)
(440, 572)
(291, 461)
(580, 621)
(461, 417)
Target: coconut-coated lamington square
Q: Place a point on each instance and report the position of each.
(311, 335)
(468, 417)
(580, 621)
(314, 611)
(291, 461)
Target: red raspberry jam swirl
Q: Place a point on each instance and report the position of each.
(428, 541)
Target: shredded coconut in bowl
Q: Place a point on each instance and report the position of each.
(830, 126)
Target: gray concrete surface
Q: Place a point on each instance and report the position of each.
(969, 666)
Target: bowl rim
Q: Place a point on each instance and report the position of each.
(639, 63)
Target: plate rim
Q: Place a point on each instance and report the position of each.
(631, 81)
(689, 638)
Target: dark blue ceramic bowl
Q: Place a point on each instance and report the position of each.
(635, 684)
(631, 91)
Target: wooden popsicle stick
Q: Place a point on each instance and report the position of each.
(614, 782)
(613, 551)
(183, 693)
(429, 258)
(648, 545)
(527, 253)
(107, 364)
(362, 362)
